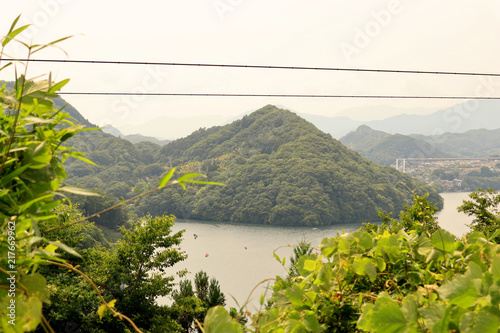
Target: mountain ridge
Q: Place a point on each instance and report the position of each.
(279, 170)
(384, 148)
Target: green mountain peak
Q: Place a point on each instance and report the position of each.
(281, 170)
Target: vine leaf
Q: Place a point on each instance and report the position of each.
(459, 291)
(385, 317)
(219, 320)
(443, 240)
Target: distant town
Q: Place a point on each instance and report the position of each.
(448, 174)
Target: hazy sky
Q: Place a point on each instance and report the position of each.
(413, 35)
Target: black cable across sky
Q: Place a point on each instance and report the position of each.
(109, 62)
(275, 95)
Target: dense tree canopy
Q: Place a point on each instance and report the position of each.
(280, 170)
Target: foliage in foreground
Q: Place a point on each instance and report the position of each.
(419, 280)
(38, 235)
(132, 272)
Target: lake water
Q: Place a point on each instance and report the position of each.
(240, 256)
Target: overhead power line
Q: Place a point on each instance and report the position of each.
(274, 95)
(343, 69)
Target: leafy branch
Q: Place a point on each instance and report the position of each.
(105, 304)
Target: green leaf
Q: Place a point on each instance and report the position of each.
(328, 246)
(6, 65)
(389, 318)
(13, 33)
(310, 321)
(6, 179)
(53, 43)
(166, 178)
(433, 315)
(188, 176)
(41, 155)
(57, 86)
(324, 277)
(294, 326)
(35, 227)
(37, 120)
(480, 322)
(371, 271)
(381, 265)
(365, 240)
(26, 205)
(28, 314)
(277, 258)
(36, 286)
(295, 294)
(79, 190)
(424, 245)
(459, 291)
(409, 308)
(443, 240)
(310, 265)
(475, 271)
(86, 160)
(495, 267)
(218, 320)
(34, 240)
(364, 266)
(203, 182)
(65, 248)
(384, 317)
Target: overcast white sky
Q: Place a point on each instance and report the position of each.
(390, 34)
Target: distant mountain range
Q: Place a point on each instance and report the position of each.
(383, 148)
(457, 119)
(173, 128)
(134, 138)
(473, 143)
(479, 114)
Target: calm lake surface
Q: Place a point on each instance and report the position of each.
(240, 256)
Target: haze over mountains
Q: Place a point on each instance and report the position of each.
(457, 119)
(460, 118)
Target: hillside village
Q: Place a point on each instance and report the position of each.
(448, 174)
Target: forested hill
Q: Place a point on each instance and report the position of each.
(384, 148)
(280, 170)
(473, 143)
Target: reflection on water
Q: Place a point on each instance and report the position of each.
(240, 256)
